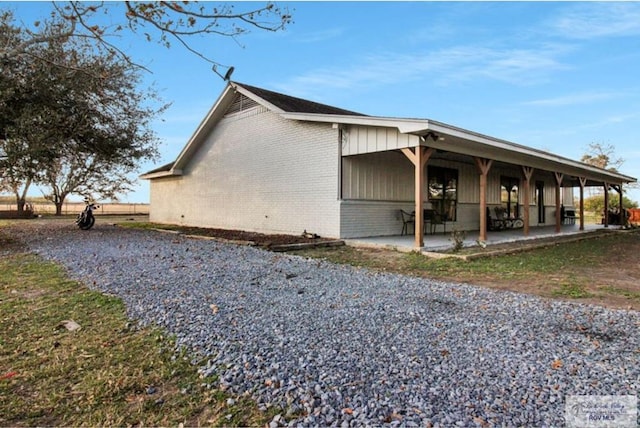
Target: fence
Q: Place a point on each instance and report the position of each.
(77, 207)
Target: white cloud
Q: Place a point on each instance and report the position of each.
(594, 20)
(445, 66)
(620, 118)
(574, 99)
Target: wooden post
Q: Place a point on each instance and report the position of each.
(559, 176)
(484, 165)
(419, 158)
(623, 213)
(606, 204)
(583, 182)
(527, 172)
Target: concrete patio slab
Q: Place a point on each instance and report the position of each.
(440, 241)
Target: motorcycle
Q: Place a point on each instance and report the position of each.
(85, 219)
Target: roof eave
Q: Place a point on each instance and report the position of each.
(405, 126)
(161, 174)
(524, 150)
(421, 126)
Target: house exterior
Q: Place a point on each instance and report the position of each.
(268, 162)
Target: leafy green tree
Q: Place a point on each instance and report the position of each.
(25, 101)
(595, 204)
(79, 122)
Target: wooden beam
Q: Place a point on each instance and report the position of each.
(419, 157)
(559, 176)
(484, 165)
(528, 173)
(409, 154)
(583, 182)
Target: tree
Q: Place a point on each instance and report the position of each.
(603, 156)
(89, 175)
(162, 21)
(78, 121)
(19, 98)
(595, 204)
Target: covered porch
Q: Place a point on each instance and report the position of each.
(391, 167)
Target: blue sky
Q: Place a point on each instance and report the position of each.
(556, 76)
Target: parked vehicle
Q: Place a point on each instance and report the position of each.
(85, 219)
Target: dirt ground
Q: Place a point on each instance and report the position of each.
(258, 239)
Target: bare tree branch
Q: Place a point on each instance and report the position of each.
(169, 20)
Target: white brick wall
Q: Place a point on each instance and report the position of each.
(257, 172)
(372, 218)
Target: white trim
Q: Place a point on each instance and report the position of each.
(421, 127)
(160, 174)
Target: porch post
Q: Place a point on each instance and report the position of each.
(527, 172)
(623, 213)
(559, 176)
(606, 204)
(483, 165)
(583, 182)
(419, 158)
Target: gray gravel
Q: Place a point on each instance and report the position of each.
(341, 346)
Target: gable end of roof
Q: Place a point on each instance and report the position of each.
(241, 103)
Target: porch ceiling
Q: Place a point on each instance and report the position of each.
(568, 180)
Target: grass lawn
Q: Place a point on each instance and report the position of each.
(105, 373)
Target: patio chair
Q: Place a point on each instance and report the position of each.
(434, 219)
(407, 219)
(569, 217)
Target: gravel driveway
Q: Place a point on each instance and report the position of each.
(347, 346)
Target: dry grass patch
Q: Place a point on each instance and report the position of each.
(106, 373)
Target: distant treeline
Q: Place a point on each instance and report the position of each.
(42, 206)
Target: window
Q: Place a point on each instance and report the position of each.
(509, 189)
(443, 191)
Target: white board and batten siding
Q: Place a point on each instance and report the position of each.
(358, 140)
(257, 172)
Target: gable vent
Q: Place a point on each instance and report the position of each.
(241, 103)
